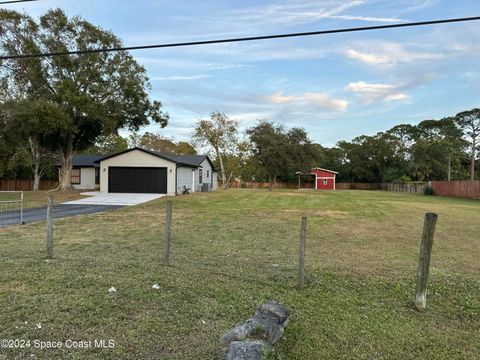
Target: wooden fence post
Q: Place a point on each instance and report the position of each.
(50, 226)
(424, 261)
(301, 260)
(168, 233)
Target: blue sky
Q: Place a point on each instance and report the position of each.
(336, 87)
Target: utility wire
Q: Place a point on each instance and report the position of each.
(242, 39)
(15, 1)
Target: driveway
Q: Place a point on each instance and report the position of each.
(117, 199)
(30, 215)
(96, 202)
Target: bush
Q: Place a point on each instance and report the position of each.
(428, 190)
(402, 180)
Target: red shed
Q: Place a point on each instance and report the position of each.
(324, 178)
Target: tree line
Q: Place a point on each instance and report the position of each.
(432, 150)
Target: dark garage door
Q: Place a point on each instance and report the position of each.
(137, 180)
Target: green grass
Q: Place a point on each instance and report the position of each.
(33, 199)
(233, 250)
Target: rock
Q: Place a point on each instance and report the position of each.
(257, 334)
(275, 309)
(247, 350)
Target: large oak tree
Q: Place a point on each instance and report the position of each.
(90, 95)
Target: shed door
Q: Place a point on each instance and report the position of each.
(137, 180)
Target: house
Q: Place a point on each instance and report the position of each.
(85, 173)
(324, 179)
(139, 170)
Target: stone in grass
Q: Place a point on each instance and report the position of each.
(266, 325)
(249, 350)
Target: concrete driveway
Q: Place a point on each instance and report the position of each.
(115, 199)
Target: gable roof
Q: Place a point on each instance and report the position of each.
(190, 159)
(330, 171)
(316, 168)
(180, 160)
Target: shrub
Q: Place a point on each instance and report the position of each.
(428, 190)
(402, 180)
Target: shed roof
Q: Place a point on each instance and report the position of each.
(316, 168)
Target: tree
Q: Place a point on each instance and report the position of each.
(108, 145)
(220, 133)
(26, 125)
(469, 122)
(185, 148)
(269, 148)
(282, 152)
(156, 142)
(92, 95)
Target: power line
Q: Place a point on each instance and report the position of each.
(15, 1)
(242, 39)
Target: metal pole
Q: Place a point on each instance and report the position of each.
(21, 208)
(50, 226)
(301, 260)
(449, 166)
(168, 233)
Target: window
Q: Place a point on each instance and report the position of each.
(325, 182)
(75, 176)
(97, 176)
(200, 175)
(208, 174)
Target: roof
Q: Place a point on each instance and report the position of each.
(316, 168)
(83, 160)
(190, 159)
(319, 168)
(180, 160)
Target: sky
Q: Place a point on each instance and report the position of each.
(337, 87)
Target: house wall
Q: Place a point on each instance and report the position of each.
(322, 175)
(137, 158)
(207, 175)
(87, 179)
(184, 178)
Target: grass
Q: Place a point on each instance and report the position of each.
(33, 199)
(233, 250)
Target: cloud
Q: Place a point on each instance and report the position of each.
(300, 13)
(317, 100)
(366, 18)
(387, 53)
(370, 92)
(176, 78)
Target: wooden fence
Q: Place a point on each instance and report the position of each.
(25, 185)
(464, 189)
(260, 185)
(412, 187)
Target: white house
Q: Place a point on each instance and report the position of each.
(138, 170)
(85, 173)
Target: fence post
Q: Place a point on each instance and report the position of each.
(50, 226)
(424, 261)
(301, 260)
(21, 208)
(168, 233)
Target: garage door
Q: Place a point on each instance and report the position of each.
(137, 180)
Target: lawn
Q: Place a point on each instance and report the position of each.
(233, 250)
(33, 199)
